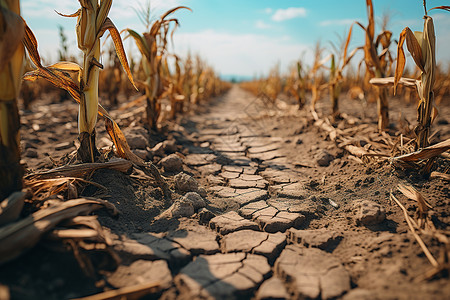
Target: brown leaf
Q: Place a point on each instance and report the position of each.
(124, 151)
(387, 81)
(443, 7)
(384, 38)
(82, 169)
(115, 35)
(440, 175)
(20, 236)
(401, 60)
(415, 49)
(75, 14)
(30, 42)
(54, 76)
(347, 42)
(171, 11)
(411, 193)
(371, 26)
(412, 225)
(426, 153)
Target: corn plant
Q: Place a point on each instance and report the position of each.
(377, 64)
(336, 72)
(92, 24)
(153, 47)
(300, 86)
(11, 68)
(422, 46)
(315, 76)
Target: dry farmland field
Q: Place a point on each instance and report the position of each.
(152, 177)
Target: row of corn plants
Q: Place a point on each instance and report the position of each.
(381, 69)
(160, 74)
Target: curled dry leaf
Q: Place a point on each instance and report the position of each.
(412, 226)
(115, 35)
(388, 81)
(443, 7)
(440, 175)
(411, 193)
(20, 236)
(80, 170)
(82, 227)
(426, 153)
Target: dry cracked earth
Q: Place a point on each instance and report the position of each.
(265, 208)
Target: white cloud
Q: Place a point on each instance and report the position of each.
(262, 25)
(289, 13)
(337, 22)
(240, 54)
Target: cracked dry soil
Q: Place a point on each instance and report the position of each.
(280, 215)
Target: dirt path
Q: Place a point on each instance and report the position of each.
(267, 208)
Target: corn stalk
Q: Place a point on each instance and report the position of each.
(92, 23)
(295, 84)
(153, 47)
(334, 88)
(422, 46)
(300, 87)
(377, 64)
(315, 77)
(58, 75)
(336, 69)
(11, 68)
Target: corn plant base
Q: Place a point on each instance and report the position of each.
(382, 110)
(87, 152)
(153, 110)
(11, 172)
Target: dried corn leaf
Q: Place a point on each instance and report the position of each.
(45, 188)
(347, 42)
(407, 82)
(80, 170)
(411, 225)
(123, 150)
(356, 151)
(440, 175)
(20, 236)
(443, 7)
(90, 223)
(11, 207)
(426, 153)
(130, 292)
(411, 193)
(115, 35)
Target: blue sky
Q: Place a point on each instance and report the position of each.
(245, 38)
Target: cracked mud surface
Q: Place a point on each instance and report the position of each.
(277, 224)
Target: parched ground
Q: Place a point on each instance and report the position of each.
(265, 206)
